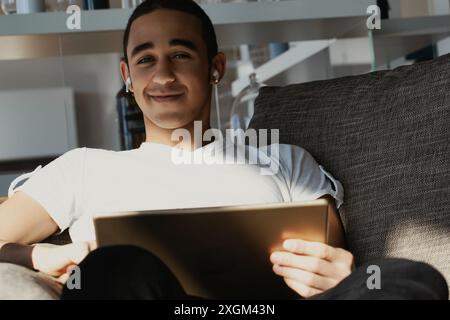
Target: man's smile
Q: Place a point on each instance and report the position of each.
(166, 98)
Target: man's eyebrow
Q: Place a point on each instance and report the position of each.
(141, 47)
(184, 43)
(174, 42)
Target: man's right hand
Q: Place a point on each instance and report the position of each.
(57, 261)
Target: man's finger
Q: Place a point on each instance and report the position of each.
(63, 278)
(92, 245)
(307, 263)
(315, 249)
(300, 288)
(309, 279)
(69, 268)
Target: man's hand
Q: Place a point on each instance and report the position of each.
(310, 268)
(57, 261)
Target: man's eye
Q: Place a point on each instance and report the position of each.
(181, 55)
(144, 60)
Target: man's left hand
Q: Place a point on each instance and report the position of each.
(309, 268)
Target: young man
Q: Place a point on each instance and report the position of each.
(171, 61)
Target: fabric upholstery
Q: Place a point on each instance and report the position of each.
(386, 136)
(19, 283)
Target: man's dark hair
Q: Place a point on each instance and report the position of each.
(188, 6)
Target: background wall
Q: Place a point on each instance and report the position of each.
(95, 80)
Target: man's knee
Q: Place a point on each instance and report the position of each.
(411, 279)
(123, 259)
(124, 272)
(404, 268)
(125, 263)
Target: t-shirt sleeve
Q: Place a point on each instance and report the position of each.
(308, 180)
(57, 185)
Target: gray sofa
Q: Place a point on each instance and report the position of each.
(385, 136)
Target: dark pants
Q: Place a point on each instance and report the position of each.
(128, 272)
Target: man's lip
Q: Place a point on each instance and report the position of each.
(166, 97)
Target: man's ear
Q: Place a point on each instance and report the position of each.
(124, 70)
(219, 63)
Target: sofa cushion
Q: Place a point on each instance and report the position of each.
(19, 283)
(386, 136)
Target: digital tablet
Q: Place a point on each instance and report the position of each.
(223, 252)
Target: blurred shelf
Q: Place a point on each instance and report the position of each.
(396, 38)
(402, 36)
(220, 14)
(357, 51)
(392, 48)
(417, 26)
(45, 34)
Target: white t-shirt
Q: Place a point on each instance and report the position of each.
(85, 182)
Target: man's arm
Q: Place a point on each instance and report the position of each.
(23, 222)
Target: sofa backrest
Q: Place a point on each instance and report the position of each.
(386, 136)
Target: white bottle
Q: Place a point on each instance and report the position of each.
(127, 4)
(30, 6)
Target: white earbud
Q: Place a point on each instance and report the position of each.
(216, 76)
(128, 85)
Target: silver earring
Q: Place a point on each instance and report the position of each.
(127, 85)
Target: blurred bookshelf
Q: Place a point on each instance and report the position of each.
(46, 34)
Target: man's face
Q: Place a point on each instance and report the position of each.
(158, 68)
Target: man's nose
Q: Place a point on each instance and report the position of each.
(163, 74)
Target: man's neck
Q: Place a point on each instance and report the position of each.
(160, 135)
